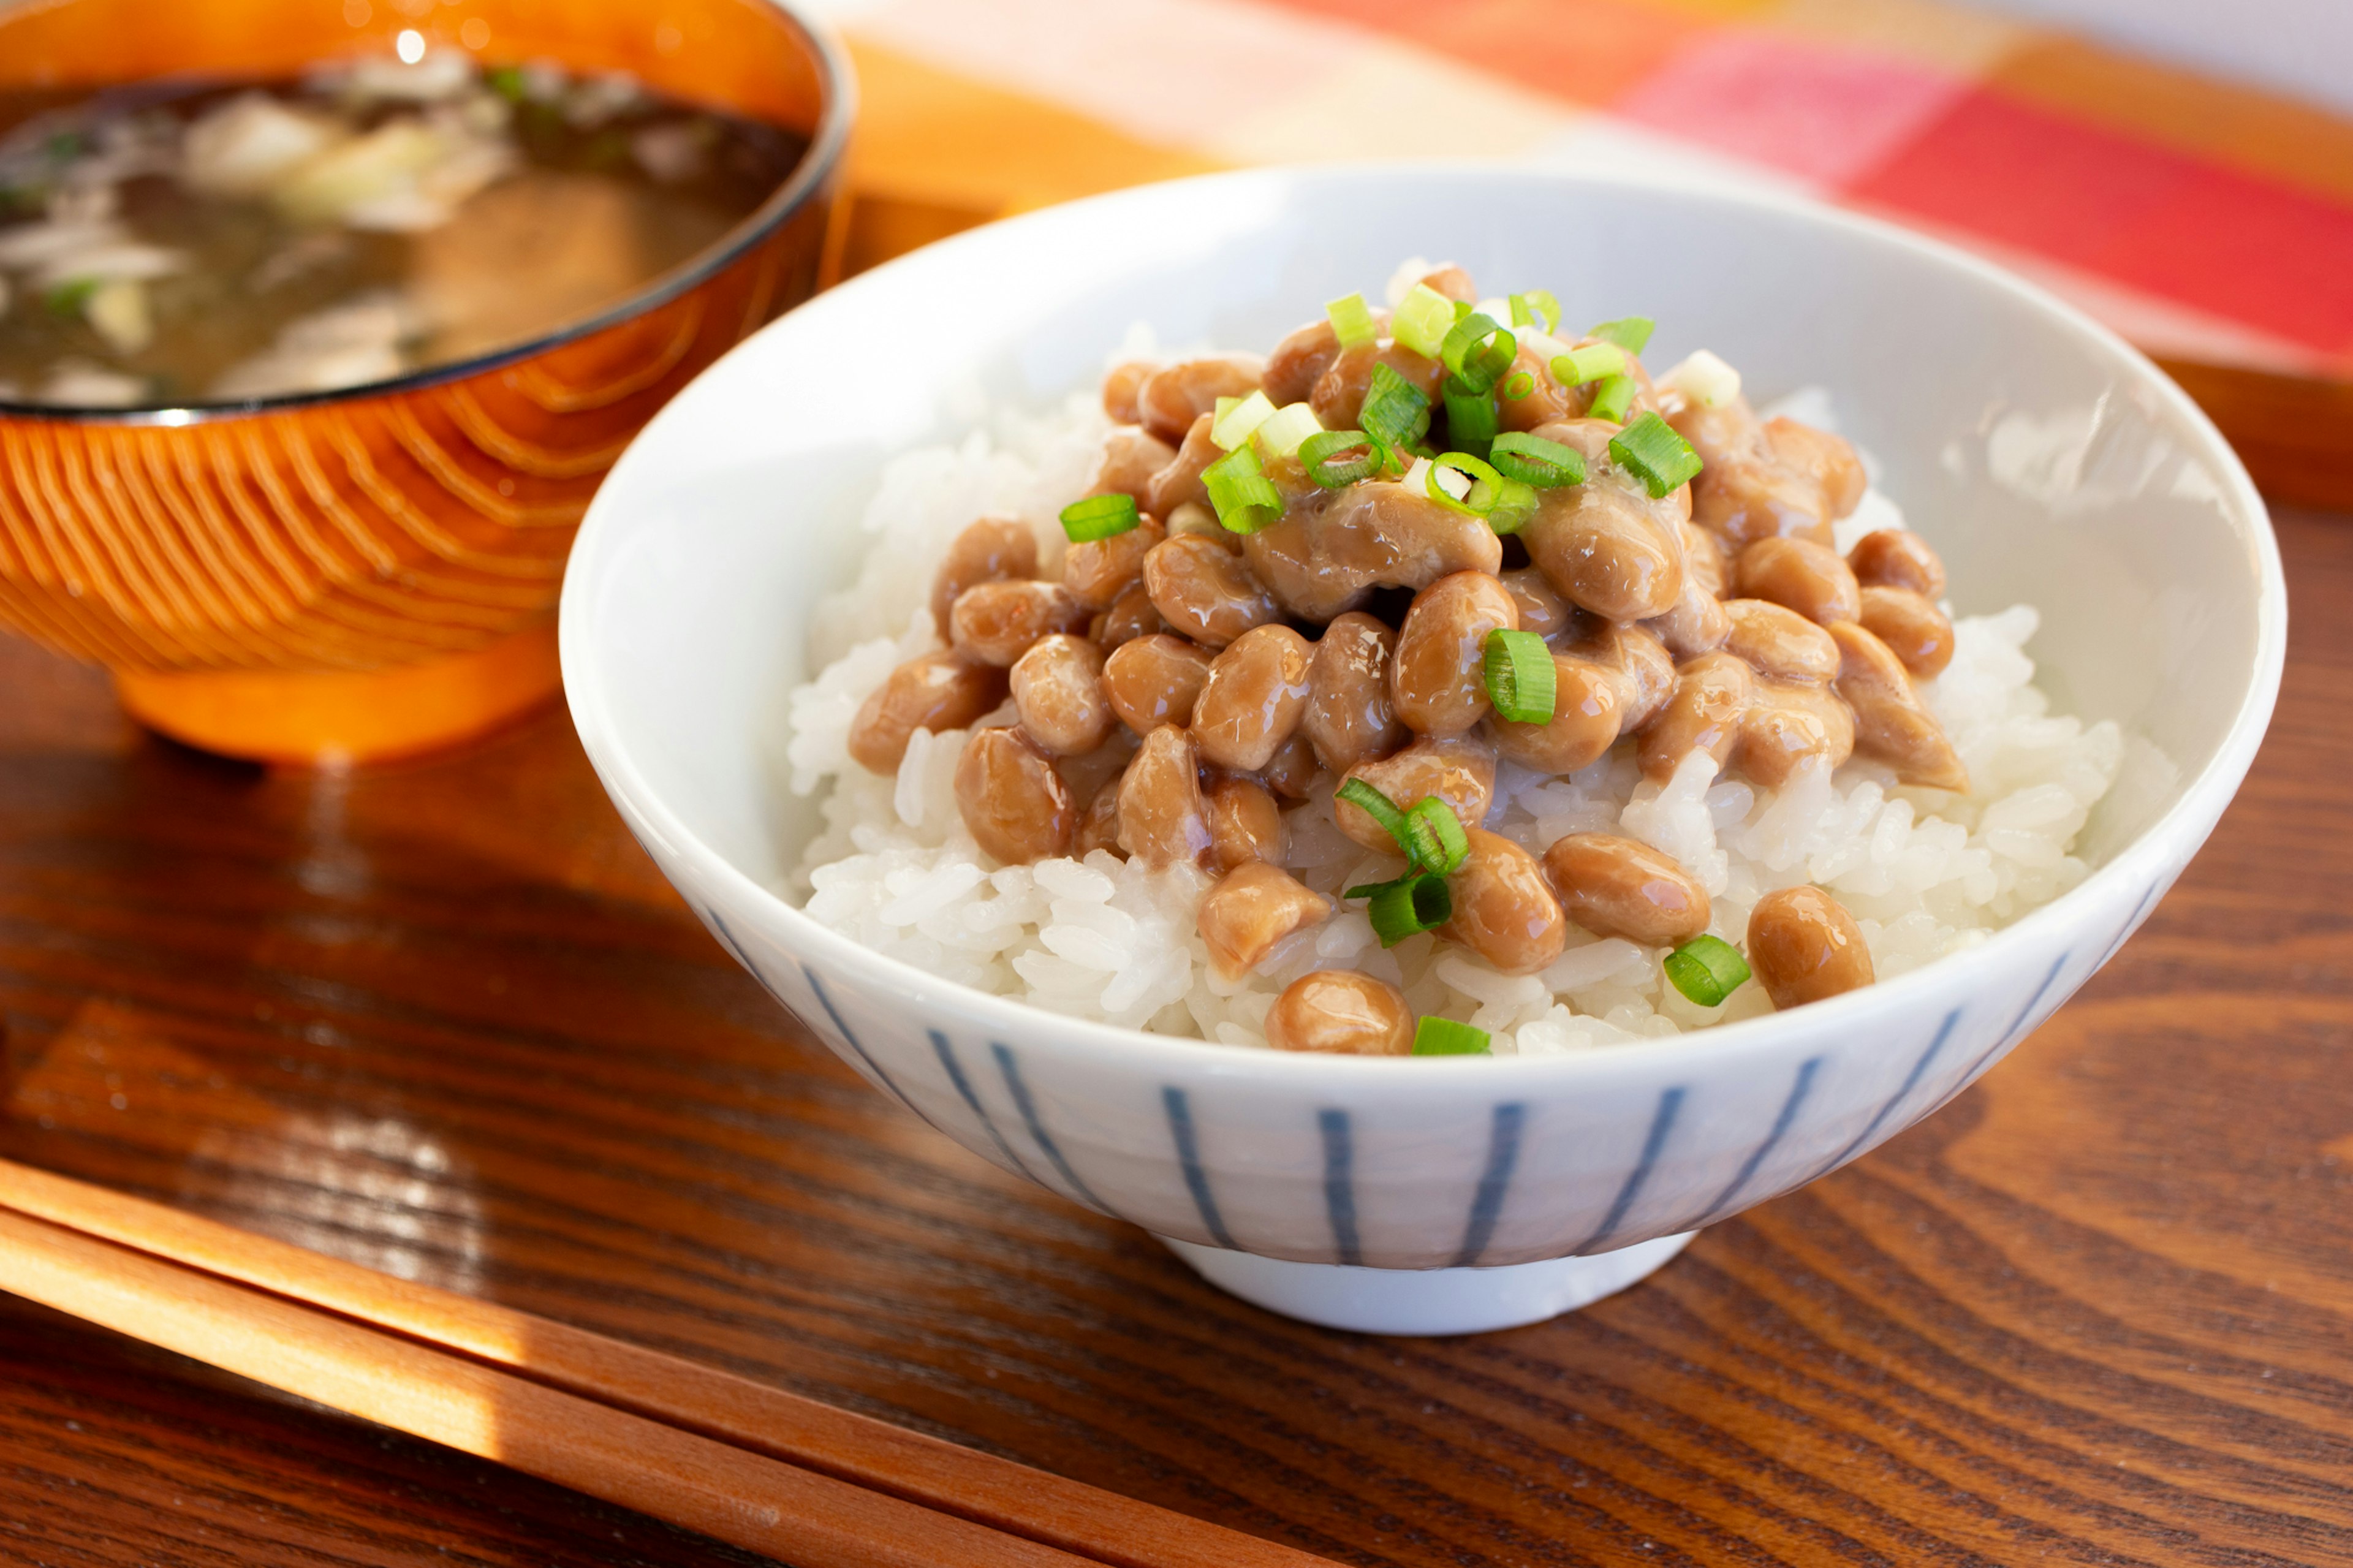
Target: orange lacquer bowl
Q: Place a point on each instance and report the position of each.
(346, 575)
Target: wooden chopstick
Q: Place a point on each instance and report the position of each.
(739, 1497)
(683, 1398)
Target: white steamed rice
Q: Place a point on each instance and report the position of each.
(1924, 873)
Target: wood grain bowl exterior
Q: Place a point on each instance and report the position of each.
(417, 528)
(353, 532)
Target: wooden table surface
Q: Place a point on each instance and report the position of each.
(444, 1019)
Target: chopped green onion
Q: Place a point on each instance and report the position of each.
(69, 297)
(1520, 384)
(1396, 412)
(1352, 321)
(1422, 320)
(1477, 352)
(1705, 379)
(64, 145)
(1099, 517)
(1280, 434)
(1631, 333)
(1533, 460)
(1591, 362)
(1612, 399)
(1238, 417)
(1520, 680)
(1536, 307)
(1338, 458)
(506, 81)
(1436, 834)
(1412, 904)
(1445, 1037)
(1380, 808)
(1429, 835)
(1650, 449)
(1707, 969)
(1502, 503)
(1467, 470)
(1244, 499)
(1470, 417)
(1514, 504)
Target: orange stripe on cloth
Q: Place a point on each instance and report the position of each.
(1947, 38)
(1168, 72)
(929, 135)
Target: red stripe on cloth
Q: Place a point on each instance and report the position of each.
(2227, 242)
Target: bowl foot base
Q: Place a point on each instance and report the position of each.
(1427, 1300)
(333, 718)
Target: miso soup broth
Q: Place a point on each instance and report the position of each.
(186, 242)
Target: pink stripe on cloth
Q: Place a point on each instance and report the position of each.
(1824, 113)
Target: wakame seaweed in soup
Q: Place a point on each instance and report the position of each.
(181, 242)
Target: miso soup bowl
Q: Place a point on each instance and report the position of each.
(2049, 463)
(352, 575)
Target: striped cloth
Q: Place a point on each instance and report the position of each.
(2208, 222)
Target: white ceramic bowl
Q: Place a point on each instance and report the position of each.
(2046, 460)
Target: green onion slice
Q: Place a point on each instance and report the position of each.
(1591, 362)
(1422, 320)
(1472, 420)
(1245, 499)
(1536, 307)
(1707, 969)
(1612, 399)
(71, 297)
(1396, 412)
(1282, 432)
(1631, 333)
(1514, 504)
(1650, 449)
(1502, 502)
(1435, 835)
(1477, 352)
(1533, 460)
(1445, 1037)
(1099, 517)
(1352, 321)
(1236, 418)
(1413, 903)
(1429, 835)
(1338, 458)
(1520, 384)
(1520, 680)
(1472, 470)
(1381, 809)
